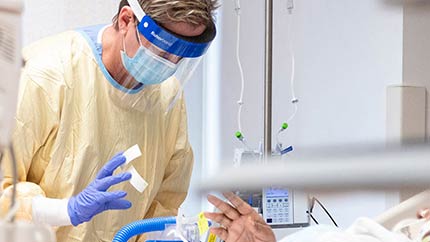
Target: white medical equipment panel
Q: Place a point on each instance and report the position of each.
(278, 206)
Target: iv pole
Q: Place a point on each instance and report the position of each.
(268, 58)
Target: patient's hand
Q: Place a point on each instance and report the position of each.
(240, 222)
(423, 213)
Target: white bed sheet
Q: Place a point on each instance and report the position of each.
(362, 230)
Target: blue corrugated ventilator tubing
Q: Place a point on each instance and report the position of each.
(141, 227)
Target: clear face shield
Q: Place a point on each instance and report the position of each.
(161, 66)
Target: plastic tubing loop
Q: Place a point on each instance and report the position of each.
(142, 226)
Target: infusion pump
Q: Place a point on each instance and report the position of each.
(280, 207)
(283, 207)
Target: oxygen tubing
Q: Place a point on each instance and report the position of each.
(142, 226)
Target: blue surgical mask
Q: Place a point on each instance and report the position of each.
(147, 67)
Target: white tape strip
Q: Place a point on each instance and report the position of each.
(132, 153)
(136, 180)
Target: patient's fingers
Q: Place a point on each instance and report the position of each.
(220, 232)
(260, 230)
(236, 234)
(219, 218)
(423, 213)
(226, 208)
(240, 205)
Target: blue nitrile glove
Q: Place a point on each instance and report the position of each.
(94, 199)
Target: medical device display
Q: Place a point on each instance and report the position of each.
(278, 206)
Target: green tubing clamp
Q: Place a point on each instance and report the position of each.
(239, 135)
(284, 126)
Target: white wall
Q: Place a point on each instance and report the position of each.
(347, 52)
(46, 17)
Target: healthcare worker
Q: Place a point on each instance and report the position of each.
(89, 94)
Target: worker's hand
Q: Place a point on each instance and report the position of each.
(240, 222)
(95, 199)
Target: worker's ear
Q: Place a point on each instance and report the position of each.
(125, 19)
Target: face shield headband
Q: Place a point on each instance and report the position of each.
(185, 47)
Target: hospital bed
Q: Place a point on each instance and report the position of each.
(406, 210)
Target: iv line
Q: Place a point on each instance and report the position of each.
(242, 79)
(294, 99)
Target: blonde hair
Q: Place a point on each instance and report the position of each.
(195, 12)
